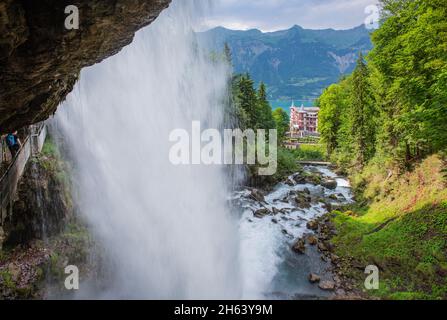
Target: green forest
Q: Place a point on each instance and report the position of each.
(385, 126)
(393, 108)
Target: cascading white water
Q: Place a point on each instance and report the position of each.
(166, 230)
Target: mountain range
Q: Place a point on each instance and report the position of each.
(296, 63)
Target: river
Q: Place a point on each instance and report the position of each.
(270, 269)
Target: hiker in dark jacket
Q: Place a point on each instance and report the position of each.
(13, 143)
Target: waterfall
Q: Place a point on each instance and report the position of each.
(166, 230)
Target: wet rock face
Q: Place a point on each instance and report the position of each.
(40, 59)
(43, 205)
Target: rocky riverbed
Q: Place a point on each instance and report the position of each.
(285, 247)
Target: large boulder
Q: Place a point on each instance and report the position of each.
(312, 240)
(329, 183)
(314, 278)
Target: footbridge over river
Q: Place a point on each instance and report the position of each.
(314, 163)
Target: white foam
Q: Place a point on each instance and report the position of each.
(262, 241)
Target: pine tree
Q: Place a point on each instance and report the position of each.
(362, 125)
(247, 101)
(265, 117)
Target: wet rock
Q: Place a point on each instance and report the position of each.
(284, 231)
(313, 178)
(327, 285)
(290, 182)
(312, 240)
(312, 225)
(334, 258)
(322, 247)
(306, 190)
(257, 195)
(275, 211)
(302, 200)
(274, 221)
(261, 213)
(333, 197)
(299, 246)
(42, 207)
(329, 183)
(299, 179)
(329, 207)
(314, 278)
(324, 231)
(341, 196)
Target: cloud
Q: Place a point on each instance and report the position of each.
(270, 15)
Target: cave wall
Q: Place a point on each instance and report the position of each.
(40, 60)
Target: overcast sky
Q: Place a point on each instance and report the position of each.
(271, 15)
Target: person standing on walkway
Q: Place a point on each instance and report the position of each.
(13, 143)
